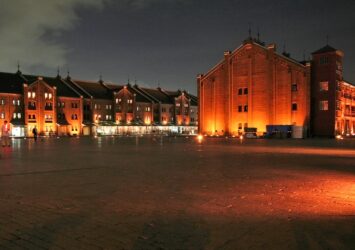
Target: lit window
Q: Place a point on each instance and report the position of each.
(46, 95)
(29, 94)
(2, 115)
(14, 102)
(50, 95)
(177, 104)
(2, 102)
(323, 86)
(323, 105)
(14, 115)
(19, 115)
(18, 102)
(33, 94)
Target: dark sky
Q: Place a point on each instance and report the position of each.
(168, 42)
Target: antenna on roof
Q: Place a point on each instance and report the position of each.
(100, 78)
(68, 74)
(58, 71)
(18, 67)
(249, 30)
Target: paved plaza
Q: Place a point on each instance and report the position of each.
(177, 193)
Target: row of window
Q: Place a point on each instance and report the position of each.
(98, 106)
(244, 108)
(15, 102)
(185, 105)
(119, 100)
(62, 116)
(242, 91)
(240, 108)
(32, 95)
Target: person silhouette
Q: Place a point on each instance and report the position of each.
(5, 134)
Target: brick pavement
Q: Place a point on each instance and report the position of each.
(148, 193)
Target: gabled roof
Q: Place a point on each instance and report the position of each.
(140, 95)
(114, 87)
(79, 89)
(11, 83)
(95, 89)
(193, 99)
(350, 83)
(256, 43)
(325, 49)
(63, 88)
(158, 95)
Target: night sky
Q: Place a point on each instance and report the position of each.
(165, 42)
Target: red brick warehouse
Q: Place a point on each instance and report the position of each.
(255, 86)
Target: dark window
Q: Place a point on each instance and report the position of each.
(32, 105)
(246, 108)
(240, 91)
(324, 60)
(240, 108)
(245, 91)
(294, 106)
(294, 87)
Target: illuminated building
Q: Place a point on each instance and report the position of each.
(333, 99)
(64, 106)
(252, 87)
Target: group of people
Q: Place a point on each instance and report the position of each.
(6, 131)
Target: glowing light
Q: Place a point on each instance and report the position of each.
(241, 137)
(200, 138)
(339, 137)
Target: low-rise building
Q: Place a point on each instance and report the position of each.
(64, 106)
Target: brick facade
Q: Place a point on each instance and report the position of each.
(253, 87)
